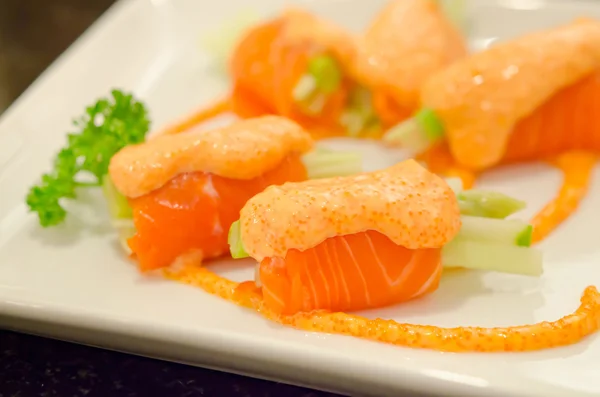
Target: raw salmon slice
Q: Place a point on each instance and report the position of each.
(563, 123)
(348, 273)
(193, 212)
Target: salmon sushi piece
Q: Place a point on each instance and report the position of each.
(522, 100)
(364, 241)
(407, 42)
(295, 66)
(185, 190)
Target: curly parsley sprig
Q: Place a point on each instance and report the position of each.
(104, 129)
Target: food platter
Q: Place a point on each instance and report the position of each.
(73, 282)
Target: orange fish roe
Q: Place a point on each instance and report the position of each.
(410, 205)
(568, 330)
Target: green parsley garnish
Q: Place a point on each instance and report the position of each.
(104, 129)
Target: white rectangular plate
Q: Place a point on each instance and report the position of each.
(72, 282)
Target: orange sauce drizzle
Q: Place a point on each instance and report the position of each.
(576, 168)
(567, 330)
(439, 160)
(203, 114)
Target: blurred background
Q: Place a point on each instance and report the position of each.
(33, 33)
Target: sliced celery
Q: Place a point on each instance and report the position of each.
(456, 12)
(360, 118)
(323, 77)
(305, 88)
(505, 231)
(408, 134)
(325, 163)
(222, 41)
(455, 184)
(120, 213)
(488, 204)
(492, 256)
(430, 124)
(358, 122)
(117, 203)
(236, 247)
(417, 133)
(326, 72)
(125, 233)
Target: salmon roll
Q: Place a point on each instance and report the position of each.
(522, 100)
(374, 239)
(185, 190)
(407, 42)
(331, 82)
(294, 65)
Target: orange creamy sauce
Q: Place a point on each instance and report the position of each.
(396, 64)
(570, 329)
(481, 98)
(422, 206)
(576, 167)
(242, 150)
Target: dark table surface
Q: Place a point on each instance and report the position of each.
(38, 367)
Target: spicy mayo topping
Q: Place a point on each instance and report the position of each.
(410, 205)
(479, 99)
(242, 150)
(407, 42)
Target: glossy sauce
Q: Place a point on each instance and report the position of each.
(570, 329)
(242, 150)
(405, 43)
(481, 98)
(410, 205)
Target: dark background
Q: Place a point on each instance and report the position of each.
(32, 34)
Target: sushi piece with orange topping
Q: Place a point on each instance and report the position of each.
(407, 42)
(374, 239)
(522, 100)
(294, 65)
(331, 82)
(380, 238)
(185, 190)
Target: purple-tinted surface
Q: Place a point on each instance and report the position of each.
(38, 367)
(33, 366)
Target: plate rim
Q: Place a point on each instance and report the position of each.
(54, 314)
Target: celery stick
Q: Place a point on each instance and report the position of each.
(455, 184)
(117, 203)
(505, 231)
(221, 42)
(430, 124)
(417, 133)
(408, 134)
(236, 247)
(326, 73)
(456, 12)
(359, 118)
(125, 233)
(305, 88)
(488, 204)
(120, 213)
(325, 163)
(492, 256)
